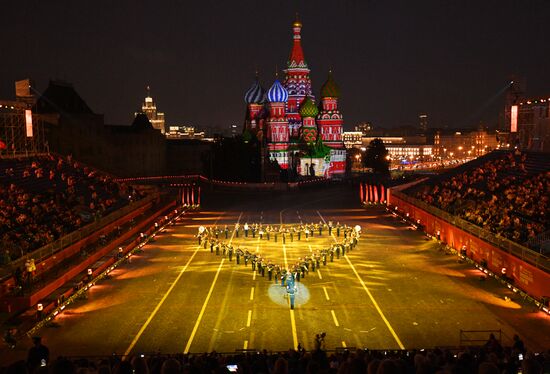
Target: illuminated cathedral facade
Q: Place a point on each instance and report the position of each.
(295, 131)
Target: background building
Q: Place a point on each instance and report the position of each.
(364, 128)
(529, 124)
(423, 122)
(465, 143)
(352, 139)
(138, 149)
(150, 109)
(184, 132)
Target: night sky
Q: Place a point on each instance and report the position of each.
(392, 59)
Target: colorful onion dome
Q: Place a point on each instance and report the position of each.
(308, 108)
(277, 93)
(330, 88)
(255, 94)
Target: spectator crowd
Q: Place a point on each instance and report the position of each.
(492, 358)
(500, 195)
(44, 198)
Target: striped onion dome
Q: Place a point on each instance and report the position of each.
(277, 93)
(330, 88)
(255, 94)
(308, 108)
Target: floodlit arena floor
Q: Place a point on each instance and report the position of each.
(395, 290)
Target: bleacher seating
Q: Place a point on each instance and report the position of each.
(506, 193)
(45, 197)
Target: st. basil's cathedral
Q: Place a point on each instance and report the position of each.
(296, 132)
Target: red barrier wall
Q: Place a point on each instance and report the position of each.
(527, 277)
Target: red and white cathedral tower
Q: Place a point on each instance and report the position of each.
(331, 122)
(297, 81)
(290, 122)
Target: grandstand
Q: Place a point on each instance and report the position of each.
(505, 192)
(59, 221)
(46, 197)
(493, 211)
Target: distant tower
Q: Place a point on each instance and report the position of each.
(423, 121)
(297, 81)
(150, 109)
(331, 124)
(277, 124)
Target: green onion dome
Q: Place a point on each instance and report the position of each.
(330, 88)
(308, 108)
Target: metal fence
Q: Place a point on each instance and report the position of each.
(50, 249)
(537, 259)
(478, 337)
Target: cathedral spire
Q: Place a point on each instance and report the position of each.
(297, 54)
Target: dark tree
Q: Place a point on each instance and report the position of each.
(376, 157)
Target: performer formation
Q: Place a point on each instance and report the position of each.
(219, 241)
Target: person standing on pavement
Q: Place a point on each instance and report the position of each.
(291, 289)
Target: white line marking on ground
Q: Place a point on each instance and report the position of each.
(326, 293)
(367, 331)
(249, 319)
(334, 318)
(319, 273)
(392, 331)
(154, 312)
(195, 328)
(245, 345)
(344, 344)
(252, 294)
(293, 324)
(254, 275)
